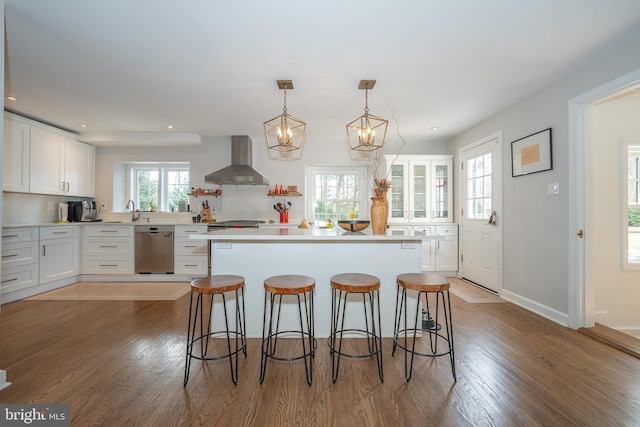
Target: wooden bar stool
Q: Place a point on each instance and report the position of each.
(216, 285)
(342, 285)
(274, 289)
(425, 284)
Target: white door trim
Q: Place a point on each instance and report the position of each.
(498, 200)
(581, 292)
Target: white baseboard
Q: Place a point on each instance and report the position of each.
(3, 380)
(542, 310)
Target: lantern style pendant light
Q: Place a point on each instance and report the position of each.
(285, 133)
(367, 132)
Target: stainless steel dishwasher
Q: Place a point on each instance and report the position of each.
(154, 248)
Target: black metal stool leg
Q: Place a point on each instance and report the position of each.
(187, 363)
(377, 336)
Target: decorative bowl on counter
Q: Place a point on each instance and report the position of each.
(353, 224)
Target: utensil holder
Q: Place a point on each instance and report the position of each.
(284, 217)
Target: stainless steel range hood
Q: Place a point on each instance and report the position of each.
(240, 171)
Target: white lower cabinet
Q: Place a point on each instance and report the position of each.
(190, 256)
(19, 260)
(59, 253)
(108, 249)
(439, 254)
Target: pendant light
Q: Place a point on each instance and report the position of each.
(367, 132)
(285, 133)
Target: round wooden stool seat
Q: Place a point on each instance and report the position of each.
(368, 287)
(355, 282)
(290, 287)
(217, 284)
(435, 340)
(202, 332)
(423, 282)
(289, 284)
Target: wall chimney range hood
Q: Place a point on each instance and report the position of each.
(240, 172)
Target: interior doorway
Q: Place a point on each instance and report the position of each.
(588, 194)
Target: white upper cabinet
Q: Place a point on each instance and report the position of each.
(56, 163)
(15, 171)
(420, 188)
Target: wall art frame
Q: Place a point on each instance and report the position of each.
(532, 154)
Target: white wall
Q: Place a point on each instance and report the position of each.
(536, 234)
(238, 202)
(617, 290)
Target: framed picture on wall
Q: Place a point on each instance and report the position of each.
(531, 154)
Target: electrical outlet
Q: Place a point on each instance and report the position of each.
(50, 206)
(553, 188)
(103, 206)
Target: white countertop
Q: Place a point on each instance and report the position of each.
(312, 234)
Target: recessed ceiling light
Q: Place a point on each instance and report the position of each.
(434, 128)
(11, 98)
(169, 126)
(82, 125)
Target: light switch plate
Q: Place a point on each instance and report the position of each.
(553, 188)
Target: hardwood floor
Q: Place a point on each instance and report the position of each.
(120, 363)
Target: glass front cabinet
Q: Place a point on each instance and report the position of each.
(421, 188)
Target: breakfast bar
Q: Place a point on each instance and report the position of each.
(258, 254)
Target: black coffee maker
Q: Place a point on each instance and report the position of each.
(75, 211)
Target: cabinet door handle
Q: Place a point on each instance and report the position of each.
(108, 265)
(108, 231)
(108, 246)
(9, 256)
(60, 232)
(9, 235)
(191, 265)
(190, 246)
(10, 280)
(44, 250)
(67, 186)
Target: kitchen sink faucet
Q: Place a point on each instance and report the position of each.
(134, 217)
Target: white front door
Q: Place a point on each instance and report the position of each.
(481, 204)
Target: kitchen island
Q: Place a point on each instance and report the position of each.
(258, 254)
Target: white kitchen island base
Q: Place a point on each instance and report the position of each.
(259, 254)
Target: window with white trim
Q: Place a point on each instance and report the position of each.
(336, 193)
(632, 229)
(158, 187)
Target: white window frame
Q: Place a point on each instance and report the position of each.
(310, 173)
(627, 143)
(162, 168)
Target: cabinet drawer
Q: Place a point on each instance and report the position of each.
(190, 247)
(10, 235)
(429, 230)
(108, 230)
(104, 265)
(47, 233)
(447, 230)
(187, 230)
(190, 265)
(14, 254)
(111, 246)
(16, 278)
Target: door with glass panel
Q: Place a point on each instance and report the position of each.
(480, 237)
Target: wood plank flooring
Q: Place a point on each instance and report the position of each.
(120, 363)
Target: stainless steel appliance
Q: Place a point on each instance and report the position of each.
(154, 248)
(82, 210)
(238, 223)
(240, 172)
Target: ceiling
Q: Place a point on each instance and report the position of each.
(210, 67)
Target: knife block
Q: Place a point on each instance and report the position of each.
(206, 215)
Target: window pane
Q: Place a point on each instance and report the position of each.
(147, 190)
(336, 196)
(177, 188)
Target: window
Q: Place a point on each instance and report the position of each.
(159, 187)
(633, 205)
(479, 187)
(337, 193)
